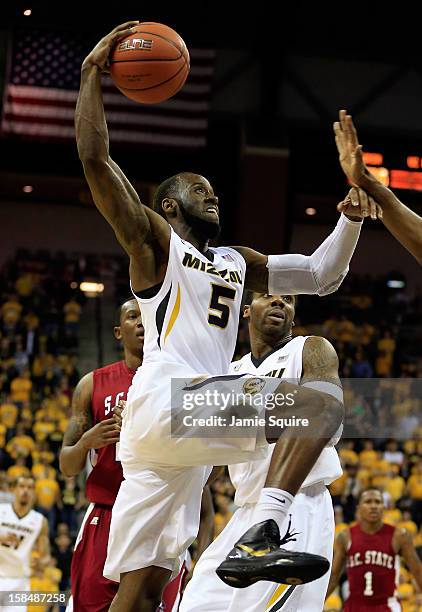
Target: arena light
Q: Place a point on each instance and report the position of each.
(310, 211)
(73, 285)
(91, 289)
(28, 189)
(396, 284)
(27, 12)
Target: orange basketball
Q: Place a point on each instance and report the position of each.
(150, 65)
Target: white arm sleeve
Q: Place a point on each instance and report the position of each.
(323, 271)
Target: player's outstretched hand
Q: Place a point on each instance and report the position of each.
(359, 204)
(101, 51)
(102, 434)
(349, 149)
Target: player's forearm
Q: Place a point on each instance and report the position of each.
(403, 223)
(320, 273)
(334, 580)
(206, 527)
(73, 458)
(90, 123)
(417, 574)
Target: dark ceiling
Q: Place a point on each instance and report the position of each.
(359, 30)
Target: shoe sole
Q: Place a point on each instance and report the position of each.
(297, 568)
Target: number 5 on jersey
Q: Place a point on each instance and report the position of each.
(219, 312)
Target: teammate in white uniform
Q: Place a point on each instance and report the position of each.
(274, 354)
(190, 299)
(22, 530)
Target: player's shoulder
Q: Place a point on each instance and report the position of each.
(318, 343)
(319, 350)
(116, 366)
(35, 514)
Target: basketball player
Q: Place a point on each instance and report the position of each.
(371, 550)
(403, 223)
(95, 426)
(275, 353)
(22, 532)
(190, 298)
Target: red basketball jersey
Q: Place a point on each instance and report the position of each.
(110, 385)
(372, 567)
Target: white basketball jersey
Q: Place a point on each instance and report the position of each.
(193, 320)
(249, 478)
(15, 559)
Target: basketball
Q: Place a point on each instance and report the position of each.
(151, 65)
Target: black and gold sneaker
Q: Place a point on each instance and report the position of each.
(258, 556)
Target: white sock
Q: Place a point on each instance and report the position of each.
(273, 504)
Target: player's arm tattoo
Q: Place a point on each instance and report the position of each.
(320, 361)
(81, 419)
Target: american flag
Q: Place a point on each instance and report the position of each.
(43, 83)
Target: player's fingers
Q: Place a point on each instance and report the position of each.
(119, 35)
(342, 119)
(351, 131)
(124, 26)
(109, 425)
(108, 442)
(372, 208)
(380, 214)
(364, 203)
(118, 420)
(338, 134)
(354, 196)
(341, 206)
(107, 435)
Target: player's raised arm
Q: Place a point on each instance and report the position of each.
(143, 234)
(339, 560)
(403, 223)
(320, 273)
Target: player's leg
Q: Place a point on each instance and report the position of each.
(90, 590)
(257, 555)
(155, 518)
(313, 525)
(140, 590)
(206, 592)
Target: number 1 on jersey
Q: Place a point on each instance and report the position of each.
(369, 591)
(221, 314)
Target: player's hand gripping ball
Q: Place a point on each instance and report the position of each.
(151, 64)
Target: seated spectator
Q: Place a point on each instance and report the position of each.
(368, 456)
(396, 485)
(19, 468)
(8, 413)
(11, 312)
(392, 453)
(48, 498)
(361, 367)
(21, 387)
(20, 444)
